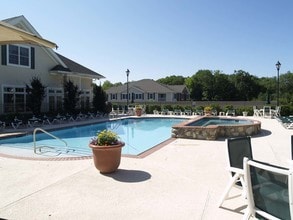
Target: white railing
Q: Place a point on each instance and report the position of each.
(51, 135)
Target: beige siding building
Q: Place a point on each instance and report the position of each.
(147, 90)
(21, 62)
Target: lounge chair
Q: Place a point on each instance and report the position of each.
(177, 112)
(90, 115)
(58, 119)
(187, 112)
(45, 120)
(198, 112)
(99, 114)
(68, 117)
(81, 116)
(165, 112)
(269, 190)
(33, 121)
(16, 123)
(238, 148)
(156, 112)
(2, 124)
(113, 113)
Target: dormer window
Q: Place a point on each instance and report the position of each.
(19, 55)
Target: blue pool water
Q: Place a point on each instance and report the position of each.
(219, 121)
(139, 135)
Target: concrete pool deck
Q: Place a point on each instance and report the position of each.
(183, 180)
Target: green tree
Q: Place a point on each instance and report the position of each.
(107, 84)
(201, 85)
(267, 87)
(286, 87)
(194, 87)
(172, 80)
(35, 95)
(223, 88)
(99, 98)
(246, 85)
(71, 96)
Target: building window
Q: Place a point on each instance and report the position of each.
(113, 96)
(85, 99)
(55, 97)
(151, 96)
(14, 99)
(162, 97)
(138, 96)
(19, 55)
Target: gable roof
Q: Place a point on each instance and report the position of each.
(178, 88)
(63, 64)
(147, 85)
(74, 69)
(17, 30)
(22, 23)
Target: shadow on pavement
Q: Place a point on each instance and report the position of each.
(129, 176)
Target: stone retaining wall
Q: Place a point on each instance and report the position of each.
(212, 132)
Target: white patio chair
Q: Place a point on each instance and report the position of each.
(269, 190)
(238, 148)
(267, 113)
(276, 112)
(256, 112)
(230, 112)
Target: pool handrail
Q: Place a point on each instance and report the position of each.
(46, 132)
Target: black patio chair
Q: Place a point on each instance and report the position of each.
(269, 190)
(238, 148)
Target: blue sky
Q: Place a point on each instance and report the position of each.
(159, 38)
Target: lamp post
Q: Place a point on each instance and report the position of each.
(278, 66)
(127, 74)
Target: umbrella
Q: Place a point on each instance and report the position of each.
(10, 34)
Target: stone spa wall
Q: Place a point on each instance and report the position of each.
(213, 132)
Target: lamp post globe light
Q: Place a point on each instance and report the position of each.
(127, 74)
(278, 66)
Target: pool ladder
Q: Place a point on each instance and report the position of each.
(51, 135)
(115, 124)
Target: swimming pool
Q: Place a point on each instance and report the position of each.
(139, 135)
(219, 121)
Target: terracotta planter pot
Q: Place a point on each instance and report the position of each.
(138, 112)
(107, 158)
(208, 113)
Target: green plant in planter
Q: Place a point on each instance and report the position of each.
(105, 138)
(208, 109)
(138, 110)
(106, 148)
